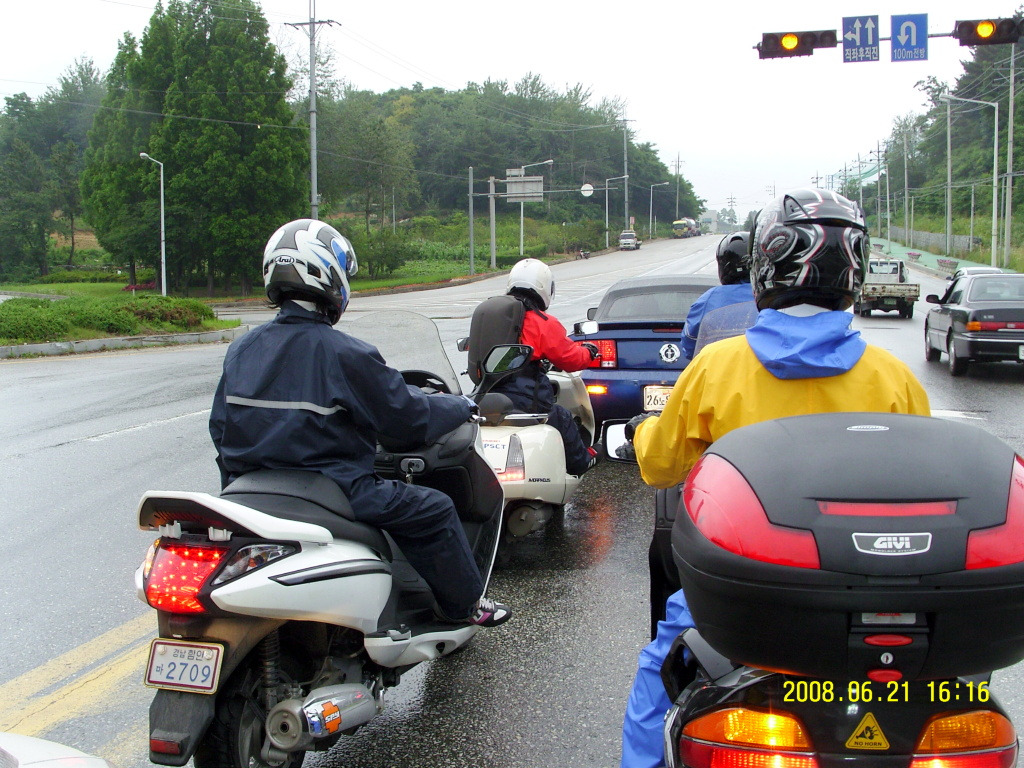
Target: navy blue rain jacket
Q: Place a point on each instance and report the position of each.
(298, 394)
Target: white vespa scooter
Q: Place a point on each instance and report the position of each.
(282, 619)
(527, 454)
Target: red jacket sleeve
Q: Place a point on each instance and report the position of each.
(546, 335)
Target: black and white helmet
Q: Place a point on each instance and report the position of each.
(809, 246)
(532, 277)
(309, 260)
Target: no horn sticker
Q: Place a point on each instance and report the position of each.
(867, 735)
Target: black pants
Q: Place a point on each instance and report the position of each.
(424, 523)
(664, 576)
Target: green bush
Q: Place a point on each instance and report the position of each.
(106, 315)
(25, 323)
(182, 313)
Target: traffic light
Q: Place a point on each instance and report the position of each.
(987, 31)
(776, 45)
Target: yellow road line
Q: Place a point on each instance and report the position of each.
(130, 747)
(20, 696)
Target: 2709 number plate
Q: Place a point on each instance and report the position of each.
(184, 666)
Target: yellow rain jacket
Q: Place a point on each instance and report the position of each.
(726, 387)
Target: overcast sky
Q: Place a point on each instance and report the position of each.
(692, 83)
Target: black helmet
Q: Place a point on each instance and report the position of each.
(734, 258)
(809, 247)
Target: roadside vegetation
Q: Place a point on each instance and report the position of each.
(29, 321)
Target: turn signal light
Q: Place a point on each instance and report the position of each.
(177, 574)
(726, 511)
(597, 389)
(966, 731)
(739, 737)
(1003, 544)
(993, 325)
(515, 463)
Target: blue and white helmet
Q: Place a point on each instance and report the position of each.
(309, 260)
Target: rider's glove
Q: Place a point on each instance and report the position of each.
(592, 349)
(626, 451)
(633, 423)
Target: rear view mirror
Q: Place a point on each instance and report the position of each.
(585, 328)
(931, 298)
(462, 344)
(615, 445)
(507, 358)
(591, 313)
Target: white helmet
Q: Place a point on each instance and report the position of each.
(308, 259)
(534, 277)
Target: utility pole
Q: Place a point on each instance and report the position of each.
(678, 161)
(770, 189)
(625, 171)
(490, 197)
(860, 184)
(472, 245)
(949, 180)
(906, 189)
(314, 195)
(1009, 162)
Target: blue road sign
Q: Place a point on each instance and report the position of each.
(860, 38)
(910, 37)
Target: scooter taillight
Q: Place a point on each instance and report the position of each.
(973, 739)
(177, 572)
(515, 462)
(740, 737)
(726, 511)
(1003, 544)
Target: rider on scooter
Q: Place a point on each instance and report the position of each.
(800, 357)
(734, 273)
(298, 394)
(531, 282)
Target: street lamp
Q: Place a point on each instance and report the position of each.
(613, 178)
(650, 209)
(995, 173)
(523, 168)
(163, 239)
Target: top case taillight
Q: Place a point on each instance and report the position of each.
(727, 512)
(178, 571)
(1002, 544)
(609, 354)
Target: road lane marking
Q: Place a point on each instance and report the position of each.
(130, 747)
(944, 414)
(17, 696)
(137, 427)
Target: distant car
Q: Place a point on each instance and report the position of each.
(628, 241)
(963, 271)
(637, 327)
(26, 751)
(980, 318)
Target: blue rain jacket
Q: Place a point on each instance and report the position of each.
(712, 299)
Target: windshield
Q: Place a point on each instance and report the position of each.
(407, 341)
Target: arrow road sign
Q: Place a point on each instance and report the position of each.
(860, 38)
(910, 37)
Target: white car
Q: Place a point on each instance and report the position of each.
(628, 241)
(24, 751)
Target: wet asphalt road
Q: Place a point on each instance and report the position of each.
(85, 436)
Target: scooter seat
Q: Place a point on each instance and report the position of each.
(307, 497)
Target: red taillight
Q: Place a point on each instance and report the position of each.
(887, 509)
(741, 737)
(726, 510)
(609, 354)
(1001, 758)
(1003, 544)
(178, 573)
(696, 755)
(164, 747)
(990, 325)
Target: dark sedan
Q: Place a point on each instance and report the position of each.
(980, 318)
(637, 327)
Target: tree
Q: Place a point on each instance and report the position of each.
(26, 210)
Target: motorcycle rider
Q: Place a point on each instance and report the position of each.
(800, 357)
(531, 282)
(734, 274)
(298, 394)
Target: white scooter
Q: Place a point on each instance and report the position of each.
(527, 454)
(282, 619)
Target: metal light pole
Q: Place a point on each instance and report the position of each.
(523, 168)
(163, 238)
(613, 178)
(995, 165)
(650, 209)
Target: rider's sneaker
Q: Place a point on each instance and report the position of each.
(594, 456)
(489, 613)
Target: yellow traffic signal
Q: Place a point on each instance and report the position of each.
(987, 31)
(775, 45)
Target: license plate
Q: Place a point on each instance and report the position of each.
(184, 666)
(1020, 352)
(656, 397)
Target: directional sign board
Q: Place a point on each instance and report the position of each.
(860, 38)
(910, 37)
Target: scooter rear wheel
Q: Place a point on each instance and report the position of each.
(236, 735)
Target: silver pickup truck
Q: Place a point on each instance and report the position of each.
(885, 287)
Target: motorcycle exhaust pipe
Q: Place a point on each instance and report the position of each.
(527, 517)
(293, 725)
